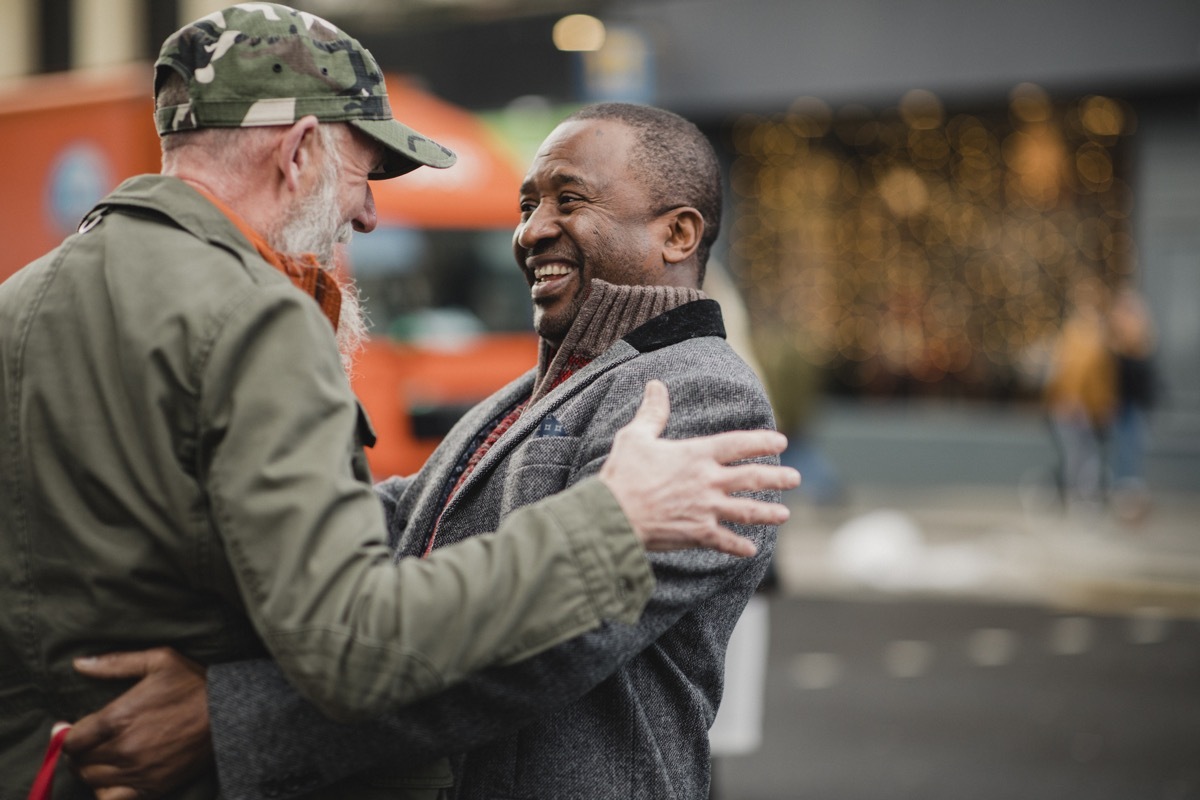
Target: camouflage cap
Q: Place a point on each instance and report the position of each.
(256, 64)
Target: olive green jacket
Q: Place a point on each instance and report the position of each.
(180, 465)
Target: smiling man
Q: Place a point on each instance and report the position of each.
(607, 228)
(618, 213)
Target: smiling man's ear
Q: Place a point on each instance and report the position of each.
(685, 227)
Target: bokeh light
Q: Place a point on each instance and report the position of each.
(916, 249)
(579, 33)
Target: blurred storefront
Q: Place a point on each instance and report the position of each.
(917, 189)
(921, 251)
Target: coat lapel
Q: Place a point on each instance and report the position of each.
(437, 471)
(526, 426)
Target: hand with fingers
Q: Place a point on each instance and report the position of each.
(676, 493)
(152, 738)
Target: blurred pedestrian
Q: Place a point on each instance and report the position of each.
(1132, 338)
(1081, 396)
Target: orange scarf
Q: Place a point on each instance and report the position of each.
(304, 271)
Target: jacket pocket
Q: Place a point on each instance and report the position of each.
(538, 468)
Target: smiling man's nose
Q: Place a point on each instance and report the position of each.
(540, 225)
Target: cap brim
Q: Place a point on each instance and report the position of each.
(406, 149)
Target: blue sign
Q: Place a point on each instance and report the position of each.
(79, 177)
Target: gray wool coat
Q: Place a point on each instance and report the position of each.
(622, 712)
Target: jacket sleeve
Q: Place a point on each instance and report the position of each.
(353, 631)
(248, 698)
(392, 494)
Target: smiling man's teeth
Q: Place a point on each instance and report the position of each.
(550, 271)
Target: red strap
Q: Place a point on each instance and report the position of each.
(45, 778)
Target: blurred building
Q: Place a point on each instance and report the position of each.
(915, 187)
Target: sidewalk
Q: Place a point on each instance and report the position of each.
(995, 543)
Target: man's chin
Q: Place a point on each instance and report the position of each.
(551, 328)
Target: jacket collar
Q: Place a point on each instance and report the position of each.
(689, 321)
(169, 198)
(206, 217)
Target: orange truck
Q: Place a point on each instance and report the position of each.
(449, 311)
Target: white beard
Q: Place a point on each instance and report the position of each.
(315, 228)
(352, 326)
(315, 225)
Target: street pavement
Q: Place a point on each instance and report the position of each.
(957, 641)
(939, 699)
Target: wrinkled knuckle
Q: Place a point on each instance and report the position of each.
(123, 754)
(106, 727)
(713, 474)
(118, 730)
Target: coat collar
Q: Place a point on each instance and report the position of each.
(689, 321)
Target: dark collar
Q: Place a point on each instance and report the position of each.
(689, 321)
